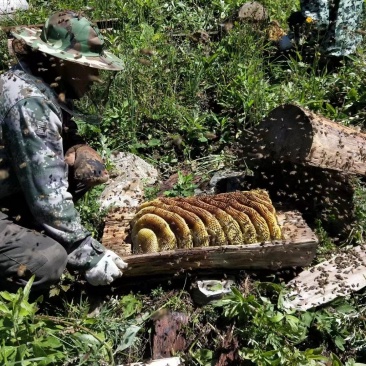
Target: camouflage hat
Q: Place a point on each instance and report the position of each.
(69, 36)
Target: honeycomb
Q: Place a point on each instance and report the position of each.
(243, 217)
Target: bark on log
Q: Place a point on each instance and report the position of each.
(292, 133)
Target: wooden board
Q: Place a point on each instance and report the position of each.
(297, 249)
(341, 275)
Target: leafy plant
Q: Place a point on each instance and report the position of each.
(268, 333)
(185, 186)
(28, 338)
(92, 216)
(25, 339)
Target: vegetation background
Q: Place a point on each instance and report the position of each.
(183, 99)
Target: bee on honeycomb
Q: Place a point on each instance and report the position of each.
(243, 217)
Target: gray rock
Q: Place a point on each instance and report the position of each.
(225, 181)
(253, 11)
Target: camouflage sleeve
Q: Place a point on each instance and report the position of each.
(341, 19)
(32, 132)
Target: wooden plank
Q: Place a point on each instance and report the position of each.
(340, 276)
(116, 230)
(297, 249)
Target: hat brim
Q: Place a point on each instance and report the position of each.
(104, 61)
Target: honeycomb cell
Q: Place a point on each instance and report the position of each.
(242, 217)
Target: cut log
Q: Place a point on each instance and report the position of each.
(295, 134)
(340, 276)
(298, 249)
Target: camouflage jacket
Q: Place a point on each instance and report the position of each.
(32, 155)
(338, 22)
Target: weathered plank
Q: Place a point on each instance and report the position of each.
(116, 230)
(297, 249)
(341, 275)
(298, 135)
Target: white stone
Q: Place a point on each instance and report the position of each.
(8, 7)
(127, 188)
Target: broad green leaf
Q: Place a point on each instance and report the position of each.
(339, 342)
(335, 360)
(307, 318)
(4, 309)
(26, 308)
(22, 351)
(128, 338)
(7, 295)
(353, 94)
(7, 352)
(49, 342)
(54, 291)
(345, 309)
(276, 318)
(87, 338)
(154, 142)
(65, 287)
(28, 287)
(315, 354)
(130, 305)
(330, 109)
(203, 357)
(292, 321)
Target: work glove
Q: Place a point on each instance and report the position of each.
(100, 265)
